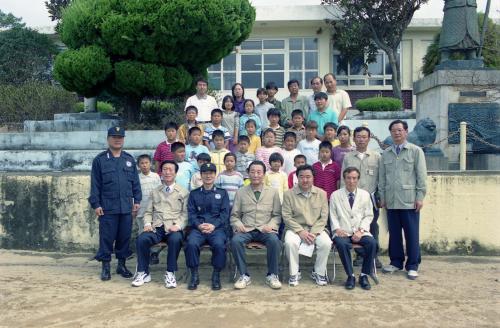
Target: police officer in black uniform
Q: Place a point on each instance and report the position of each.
(208, 215)
(115, 192)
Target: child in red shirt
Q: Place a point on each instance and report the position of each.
(326, 171)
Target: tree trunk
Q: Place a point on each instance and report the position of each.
(396, 76)
(132, 109)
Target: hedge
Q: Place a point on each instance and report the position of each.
(379, 104)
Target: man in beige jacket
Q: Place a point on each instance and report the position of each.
(256, 216)
(164, 220)
(305, 213)
(351, 215)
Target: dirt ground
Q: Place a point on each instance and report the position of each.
(61, 290)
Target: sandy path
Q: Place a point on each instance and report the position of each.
(54, 290)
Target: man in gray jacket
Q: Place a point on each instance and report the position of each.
(402, 187)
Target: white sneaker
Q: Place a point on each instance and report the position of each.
(170, 281)
(141, 278)
(412, 274)
(320, 280)
(242, 282)
(390, 269)
(293, 281)
(273, 281)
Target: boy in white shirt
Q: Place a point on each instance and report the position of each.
(310, 145)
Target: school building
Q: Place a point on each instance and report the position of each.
(295, 42)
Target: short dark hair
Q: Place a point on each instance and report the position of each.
(193, 108)
(405, 125)
(261, 163)
(312, 125)
(362, 128)
(331, 74)
(261, 91)
(276, 157)
(273, 111)
(271, 85)
(349, 170)
(176, 146)
(269, 130)
(244, 138)
(143, 156)
(169, 161)
(317, 77)
(292, 81)
(225, 99)
(215, 111)
(296, 112)
(203, 157)
(230, 155)
(289, 134)
(321, 95)
(217, 133)
(326, 144)
(304, 168)
(342, 128)
(242, 88)
(193, 129)
(330, 125)
(300, 156)
(251, 121)
(201, 79)
(170, 125)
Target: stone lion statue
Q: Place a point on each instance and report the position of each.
(423, 134)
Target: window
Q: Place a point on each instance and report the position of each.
(260, 61)
(378, 73)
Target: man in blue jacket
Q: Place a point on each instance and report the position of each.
(208, 214)
(115, 192)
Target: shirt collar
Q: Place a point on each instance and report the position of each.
(201, 97)
(347, 192)
(172, 186)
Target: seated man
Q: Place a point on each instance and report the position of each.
(351, 212)
(164, 219)
(305, 213)
(256, 216)
(208, 213)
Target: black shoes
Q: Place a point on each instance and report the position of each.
(106, 271)
(216, 280)
(364, 283)
(350, 283)
(195, 279)
(154, 258)
(122, 270)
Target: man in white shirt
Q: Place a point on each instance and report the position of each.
(202, 101)
(338, 100)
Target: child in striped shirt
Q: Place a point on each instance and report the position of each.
(274, 116)
(214, 125)
(275, 178)
(149, 180)
(230, 179)
(326, 171)
(263, 153)
(243, 156)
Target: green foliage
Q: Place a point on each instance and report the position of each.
(8, 21)
(155, 113)
(379, 104)
(25, 55)
(55, 8)
(33, 101)
(102, 107)
(491, 48)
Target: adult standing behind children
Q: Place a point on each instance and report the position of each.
(338, 99)
(202, 101)
(316, 86)
(238, 93)
(293, 102)
(272, 90)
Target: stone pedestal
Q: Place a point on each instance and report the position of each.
(67, 122)
(437, 91)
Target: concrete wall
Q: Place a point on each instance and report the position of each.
(50, 212)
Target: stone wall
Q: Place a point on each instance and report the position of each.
(50, 212)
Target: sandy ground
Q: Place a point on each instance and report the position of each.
(60, 290)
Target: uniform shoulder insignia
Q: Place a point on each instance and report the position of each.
(102, 153)
(127, 154)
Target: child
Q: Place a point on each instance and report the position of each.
(263, 153)
(299, 160)
(310, 145)
(262, 107)
(196, 181)
(326, 171)
(194, 148)
(289, 152)
(331, 134)
(272, 90)
(230, 179)
(255, 143)
(186, 170)
(149, 181)
(275, 178)
(215, 124)
(217, 155)
(274, 116)
(243, 156)
(338, 153)
(249, 115)
(230, 120)
(298, 125)
(183, 132)
(163, 151)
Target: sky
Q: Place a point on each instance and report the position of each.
(35, 14)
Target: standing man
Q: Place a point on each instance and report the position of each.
(294, 101)
(316, 86)
(164, 220)
(367, 162)
(350, 218)
(256, 216)
(305, 213)
(208, 213)
(115, 192)
(402, 187)
(338, 99)
(202, 101)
